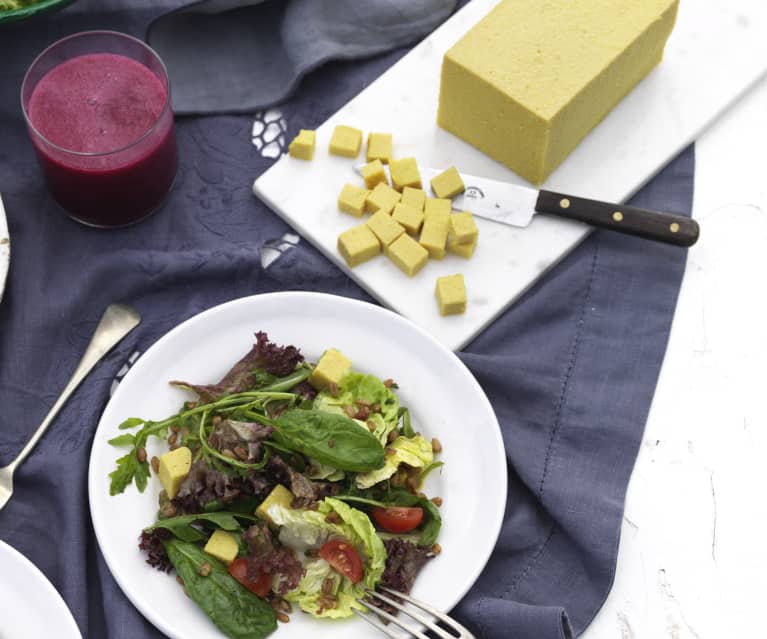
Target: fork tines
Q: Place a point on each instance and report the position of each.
(458, 631)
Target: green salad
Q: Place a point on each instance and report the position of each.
(285, 485)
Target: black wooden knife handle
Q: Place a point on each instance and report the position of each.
(652, 225)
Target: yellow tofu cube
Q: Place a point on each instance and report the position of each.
(173, 469)
(332, 367)
(223, 546)
(410, 218)
(414, 197)
(463, 230)
(358, 244)
(437, 207)
(352, 200)
(407, 254)
(386, 228)
(302, 146)
(448, 183)
(451, 294)
(346, 141)
(464, 250)
(280, 496)
(404, 172)
(379, 147)
(382, 198)
(373, 173)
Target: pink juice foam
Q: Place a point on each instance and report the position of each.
(108, 149)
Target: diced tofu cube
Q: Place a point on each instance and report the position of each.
(463, 230)
(451, 294)
(404, 172)
(352, 200)
(407, 254)
(379, 147)
(448, 183)
(386, 228)
(173, 469)
(464, 250)
(408, 217)
(414, 197)
(373, 173)
(302, 146)
(434, 207)
(358, 244)
(280, 496)
(346, 141)
(436, 226)
(223, 546)
(331, 369)
(382, 198)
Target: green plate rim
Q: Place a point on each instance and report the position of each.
(44, 6)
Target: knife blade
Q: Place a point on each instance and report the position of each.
(5, 248)
(516, 205)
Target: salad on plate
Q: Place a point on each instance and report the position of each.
(286, 485)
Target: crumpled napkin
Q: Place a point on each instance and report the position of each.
(223, 57)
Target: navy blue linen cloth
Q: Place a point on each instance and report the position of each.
(570, 369)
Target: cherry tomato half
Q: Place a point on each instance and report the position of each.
(398, 519)
(343, 558)
(239, 570)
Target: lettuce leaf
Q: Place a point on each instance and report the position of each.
(413, 451)
(308, 529)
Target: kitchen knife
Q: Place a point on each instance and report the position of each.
(515, 205)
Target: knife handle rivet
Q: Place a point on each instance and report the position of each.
(618, 216)
(674, 228)
(564, 203)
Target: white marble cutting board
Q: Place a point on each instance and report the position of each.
(717, 50)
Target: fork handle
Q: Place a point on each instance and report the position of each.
(651, 225)
(116, 323)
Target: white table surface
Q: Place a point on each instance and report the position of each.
(693, 554)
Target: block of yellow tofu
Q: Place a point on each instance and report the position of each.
(385, 227)
(373, 173)
(404, 172)
(173, 469)
(409, 217)
(463, 250)
(358, 244)
(346, 141)
(382, 198)
(223, 546)
(434, 237)
(451, 294)
(532, 78)
(447, 184)
(415, 198)
(407, 254)
(280, 496)
(463, 230)
(437, 207)
(302, 146)
(331, 368)
(379, 147)
(352, 200)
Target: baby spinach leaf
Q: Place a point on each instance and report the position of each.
(182, 526)
(329, 438)
(238, 613)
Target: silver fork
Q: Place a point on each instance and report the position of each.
(118, 320)
(458, 631)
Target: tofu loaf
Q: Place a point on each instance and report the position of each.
(533, 77)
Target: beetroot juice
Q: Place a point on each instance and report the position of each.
(98, 110)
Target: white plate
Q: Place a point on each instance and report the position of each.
(32, 607)
(444, 398)
(5, 249)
